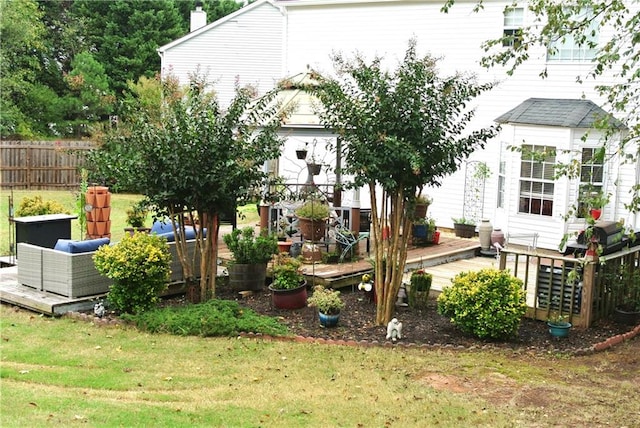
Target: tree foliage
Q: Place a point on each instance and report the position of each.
(617, 59)
(402, 130)
(45, 41)
(190, 156)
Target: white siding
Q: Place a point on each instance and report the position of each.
(264, 45)
(246, 49)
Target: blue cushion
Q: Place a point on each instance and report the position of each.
(63, 245)
(160, 227)
(164, 230)
(88, 245)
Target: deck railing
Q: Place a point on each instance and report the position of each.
(582, 289)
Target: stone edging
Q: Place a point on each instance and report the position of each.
(596, 347)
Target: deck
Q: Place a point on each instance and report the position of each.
(444, 261)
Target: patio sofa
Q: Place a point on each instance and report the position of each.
(71, 272)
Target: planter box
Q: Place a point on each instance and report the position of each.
(464, 230)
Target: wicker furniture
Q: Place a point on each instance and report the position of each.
(75, 275)
(59, 272)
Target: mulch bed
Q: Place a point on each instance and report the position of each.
(421, 326)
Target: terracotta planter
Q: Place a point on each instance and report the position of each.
(420, 211)
(312, 230)
(284, 246)
(294, 298)
(105, 213)
(101, 228)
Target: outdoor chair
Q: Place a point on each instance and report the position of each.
(347, 240)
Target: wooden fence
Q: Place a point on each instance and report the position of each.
(580, 289)
(39, 165)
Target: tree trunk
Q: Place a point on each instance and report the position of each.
(209, 256)
(390, 253)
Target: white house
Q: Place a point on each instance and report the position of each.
(268, 41)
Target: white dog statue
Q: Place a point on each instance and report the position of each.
(394, 330)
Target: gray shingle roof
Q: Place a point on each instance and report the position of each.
(568, 113)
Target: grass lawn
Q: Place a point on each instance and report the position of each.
(60, 371)
(119, 204)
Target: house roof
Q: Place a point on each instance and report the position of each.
(568, 113)
(214, 24)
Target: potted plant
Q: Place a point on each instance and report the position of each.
(328, 303)
(558, 325)
(288, 287)
(421, 205)
(627, 287)
(136, 217)
(464, 227)
(591, 202)
(248, 271)
(419, 287)
(423, 230)
(312, 219)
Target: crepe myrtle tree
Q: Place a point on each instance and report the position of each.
(401, 131)
(615, 64)
(197, 158)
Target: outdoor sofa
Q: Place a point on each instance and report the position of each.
(69, 269)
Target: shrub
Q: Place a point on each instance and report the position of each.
(139, 268)
(250, 249)
(488, 303)
(419, 287)
(211, 318)
(36, 206)
(327, 301)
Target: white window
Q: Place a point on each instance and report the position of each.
(512, 26)
(567, 48)
(591, 177)
(502, 179)
(536, 180)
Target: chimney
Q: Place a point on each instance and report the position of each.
(198, 17)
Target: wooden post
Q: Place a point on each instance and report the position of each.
(264, 218)
(588, 288)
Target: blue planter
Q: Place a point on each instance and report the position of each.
(328, 320)
(559, 330)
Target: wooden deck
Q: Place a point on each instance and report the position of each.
(445, 260)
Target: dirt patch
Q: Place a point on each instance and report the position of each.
(420, 326)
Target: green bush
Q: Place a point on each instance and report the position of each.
(488, 303)
(250, 249)
(36, 206)
(419, 287)
(211, 318)
(139, 266)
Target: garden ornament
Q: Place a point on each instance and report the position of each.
(394, 330)
(98, 310)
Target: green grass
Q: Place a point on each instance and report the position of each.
(69, 372)
(119, 204)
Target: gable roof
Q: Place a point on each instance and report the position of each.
(568, 113)
(214, 24)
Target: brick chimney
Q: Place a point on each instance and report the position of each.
(198, 17)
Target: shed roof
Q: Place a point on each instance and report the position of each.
(568, 113)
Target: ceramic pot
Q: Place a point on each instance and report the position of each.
(294, 298)
(559, 329)
(484, 233)
(328, 320)
(497, 236)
